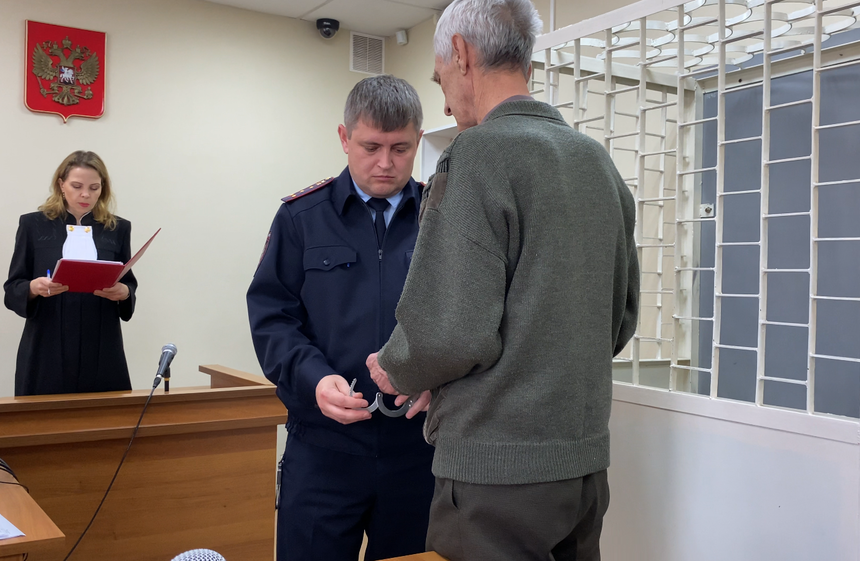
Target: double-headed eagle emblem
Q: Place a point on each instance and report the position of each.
(65, 81)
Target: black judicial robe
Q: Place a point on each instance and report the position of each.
(72, 342)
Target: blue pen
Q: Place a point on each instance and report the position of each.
(49, 273)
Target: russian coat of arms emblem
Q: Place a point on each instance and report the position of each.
(65, 71)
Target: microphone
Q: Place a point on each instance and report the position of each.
(168, 351)
(199, 555)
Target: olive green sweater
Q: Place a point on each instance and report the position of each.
(523, 286)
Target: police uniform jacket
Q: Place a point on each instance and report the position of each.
(71, 342)
(323, 299)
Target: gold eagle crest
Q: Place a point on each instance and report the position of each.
(66, 80)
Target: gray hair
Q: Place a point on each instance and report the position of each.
(502, 31)
(384, 102)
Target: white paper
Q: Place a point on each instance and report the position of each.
(7, 530)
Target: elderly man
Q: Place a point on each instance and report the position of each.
(523, 286)
(322, 298)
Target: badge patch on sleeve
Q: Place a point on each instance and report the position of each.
(265, 248)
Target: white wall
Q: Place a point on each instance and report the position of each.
(695, 479)
(212, 115)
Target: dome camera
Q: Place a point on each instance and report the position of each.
(327, 27)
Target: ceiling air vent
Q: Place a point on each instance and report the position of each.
(366, 53)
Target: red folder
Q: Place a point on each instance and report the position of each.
(89, 276)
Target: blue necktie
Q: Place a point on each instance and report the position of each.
(380, 206)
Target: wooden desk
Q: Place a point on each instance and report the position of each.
(40, 533)
(200, 473)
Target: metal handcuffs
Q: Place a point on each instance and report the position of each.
(379, 404)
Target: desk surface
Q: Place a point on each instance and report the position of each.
(40, 533)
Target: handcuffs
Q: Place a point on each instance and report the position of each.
(379, 404)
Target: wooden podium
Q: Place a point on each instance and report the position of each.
(200, 473)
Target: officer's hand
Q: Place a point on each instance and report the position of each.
(422, 403)
(335, 402)
(379, 375)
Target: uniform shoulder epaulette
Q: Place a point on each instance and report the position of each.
(309, 189)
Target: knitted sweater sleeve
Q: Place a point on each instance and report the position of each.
(450, 312)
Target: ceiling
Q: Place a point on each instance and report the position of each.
(374, 17)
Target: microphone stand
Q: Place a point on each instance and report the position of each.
(167, 380)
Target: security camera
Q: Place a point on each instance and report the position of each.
(327, 27)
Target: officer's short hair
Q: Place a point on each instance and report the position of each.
(502, 31)
(384, 102)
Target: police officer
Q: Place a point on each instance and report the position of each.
(322, 299)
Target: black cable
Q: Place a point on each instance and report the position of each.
(8, 469)
(133, 434)
(15, 483)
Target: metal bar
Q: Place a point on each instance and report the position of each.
(735, 347)
(789, 104)
(764, 204)
(813, 206)
(720, 188)
(740, 140)
(841, 182)
(839, 125)
(657, 199)
(837, 358)
(786, 324)
(697, 122)
(628, 89)
(699, 170)
(732, 193)
(742, 36)
(838, 65)
(658, 106)
(659, 153)
(785, 214)
(703, 22)
(782, 380)
(786, 160)
(598, 76)
(641, 88)
(680, 197)
(740, 88)
(836, 298)
(589, 120)
(622, 135)
(691, 368)
(690, 220)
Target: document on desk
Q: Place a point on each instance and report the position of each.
(8, 530)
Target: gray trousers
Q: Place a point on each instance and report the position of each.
(555, 521)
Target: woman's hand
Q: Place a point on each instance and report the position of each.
(117, 292)
(45, 287)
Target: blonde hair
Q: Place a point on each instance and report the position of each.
(55, 206)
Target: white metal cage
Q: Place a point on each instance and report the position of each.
(657, 82)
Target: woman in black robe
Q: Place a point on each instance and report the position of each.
(72, 342)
